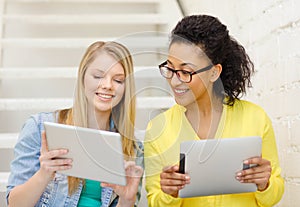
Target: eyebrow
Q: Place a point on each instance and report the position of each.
(183, 64)
(102, 71)
(120, 74)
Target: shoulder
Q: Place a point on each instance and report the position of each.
(41, 117)
(244, 106)
(248, 112)
(34, 124)
(164, 123)
(161, 120)
(36, 120)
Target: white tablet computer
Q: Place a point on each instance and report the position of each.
(96, 154)
(212, 165)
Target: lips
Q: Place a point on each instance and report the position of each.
(105, 96)
(180, 91)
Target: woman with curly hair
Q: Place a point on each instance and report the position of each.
(208, 72)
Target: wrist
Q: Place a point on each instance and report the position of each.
(175, 195)
(125, 203)
(263, 188)
(44, 177)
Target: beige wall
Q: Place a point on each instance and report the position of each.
(270, 31)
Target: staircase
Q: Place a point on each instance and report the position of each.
(41, 45)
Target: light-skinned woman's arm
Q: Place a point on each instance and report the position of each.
(127, 194)
(29, 193)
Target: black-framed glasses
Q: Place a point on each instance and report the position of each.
(182, 75)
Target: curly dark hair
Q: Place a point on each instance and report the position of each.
(213, 38)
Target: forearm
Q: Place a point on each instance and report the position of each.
(28, 194)
(272, 193)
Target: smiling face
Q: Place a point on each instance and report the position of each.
(104, 83)
(189, 57)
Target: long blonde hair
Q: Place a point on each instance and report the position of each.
(123, 114)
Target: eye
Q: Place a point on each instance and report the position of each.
(97, 76)
(120, 81)
(169, 67)
(184, 72)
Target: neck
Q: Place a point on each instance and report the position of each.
(99, 120)
(205, 106)
(204, 116)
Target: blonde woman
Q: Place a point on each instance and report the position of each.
(104, 99)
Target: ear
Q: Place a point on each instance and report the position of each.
(215, 72)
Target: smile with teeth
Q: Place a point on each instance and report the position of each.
(180, 91)
(105, 96)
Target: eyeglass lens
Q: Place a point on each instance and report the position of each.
(181, 75)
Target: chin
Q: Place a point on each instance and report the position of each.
(184, 102)
(181, 102)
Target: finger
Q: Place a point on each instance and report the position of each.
(258, 174)
(175, 176)
(108, 185)
(57, 153)
(172, 182)
(265, 168)
(60, 162)
(59, 168)
(133, 170)
(170, 169)
(49, 166)
(44, 145)
(54, 162)
(138, 171)
(128, 164)
(257, 181)
(259, 178)
(49, 155)
(254, 160)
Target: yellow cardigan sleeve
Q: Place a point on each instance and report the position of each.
(275, 190)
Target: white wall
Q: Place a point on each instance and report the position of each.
(270, 31)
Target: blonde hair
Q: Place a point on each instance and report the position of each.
(123, 114)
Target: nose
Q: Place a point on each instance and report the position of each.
(175, 80)
(105, 83)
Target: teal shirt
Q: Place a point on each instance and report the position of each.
(91, 194)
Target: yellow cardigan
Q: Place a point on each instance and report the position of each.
(162, 145)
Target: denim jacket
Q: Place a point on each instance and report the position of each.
(26, 164)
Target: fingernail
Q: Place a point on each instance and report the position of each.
(239, 174)
(246, 162)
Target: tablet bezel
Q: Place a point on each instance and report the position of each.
(96, 154)
(218, 161)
